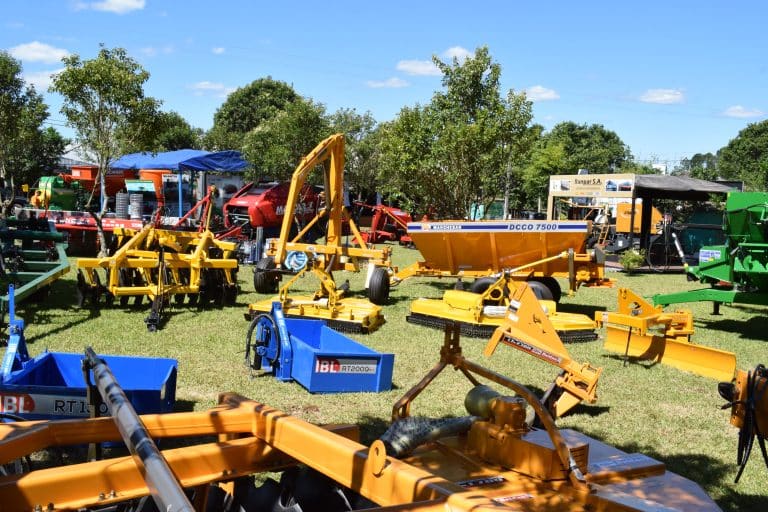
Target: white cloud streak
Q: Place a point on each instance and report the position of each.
(114, 6)
(418, 68)
(218, 50)
(213, 88)
(41, 79)
(389, 83)
(457, 52)
(152, 51)
(663, 96)
(740, 112)
(38, 52)
(541, 93)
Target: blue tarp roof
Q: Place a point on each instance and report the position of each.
(183, 160)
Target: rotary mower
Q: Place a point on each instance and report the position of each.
(291, 255)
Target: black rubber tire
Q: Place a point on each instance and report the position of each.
(378, 288)
(541, 290)
(265, 281)
(481, 284)
(553, 285)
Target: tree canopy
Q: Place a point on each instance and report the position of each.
(245, 109)
(361, 149)
(278, 144)
(104, 101)
(27, 150)
(746, 157)
(455, 151)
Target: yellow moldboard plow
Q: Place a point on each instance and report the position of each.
(160, 264)
(643, 331)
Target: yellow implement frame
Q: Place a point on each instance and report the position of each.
(500, 463)
(160, 263)
(332, 253)
(328, 303)
(526, 327)
(643, 331)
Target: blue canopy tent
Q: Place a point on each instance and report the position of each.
(193, 160)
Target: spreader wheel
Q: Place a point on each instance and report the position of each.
(264, 280)
(541, 290)
(378, 288)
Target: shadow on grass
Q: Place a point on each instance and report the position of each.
(632, 360)
(755, 328)
(581, 309)
(184, 406)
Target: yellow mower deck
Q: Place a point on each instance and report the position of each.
(345, 314)
(479, 321)
(643, 331)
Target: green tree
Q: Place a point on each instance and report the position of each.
(278, 144)
(746, 157)
(361, 149)
(456, 151)
(168, 131)
(591, 147)
(176, 133)
(548, 158)
(27, 150)
(12, 100)
(245, 109)
(104, 101)
(701, 166)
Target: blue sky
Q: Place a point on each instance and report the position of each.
(670, 78)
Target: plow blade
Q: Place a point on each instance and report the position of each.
(683, 355)
(639, 329)
(354, 316)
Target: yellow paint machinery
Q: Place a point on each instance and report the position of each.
(643, 331)
(482, 309)
(747, 398)
(161, 264)
(490, 459)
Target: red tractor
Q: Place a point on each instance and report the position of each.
(256, 211)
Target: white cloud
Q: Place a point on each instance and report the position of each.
(115, 6)
(418, 68)
(214, 88)
(389, 83)
(541, 93)
(663, 96)
(152, 51)
(457, 52)
(742, 113)
(38, 52)
(218, 50)
(41, 79)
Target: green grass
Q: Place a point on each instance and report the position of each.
(668, 414)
